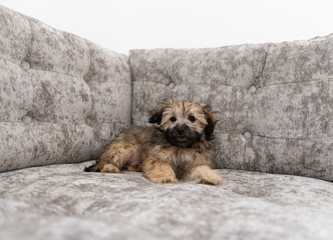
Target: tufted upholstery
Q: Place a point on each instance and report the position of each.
(61, 97)
(274, 101)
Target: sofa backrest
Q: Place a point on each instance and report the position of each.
(275, 101)
(62, 98)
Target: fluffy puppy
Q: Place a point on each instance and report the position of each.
(178, 147)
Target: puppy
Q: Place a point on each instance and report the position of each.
(177, 148)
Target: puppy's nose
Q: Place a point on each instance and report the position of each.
(181, 129)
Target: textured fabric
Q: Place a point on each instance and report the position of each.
(63, 202)
(62, 98)
(274, 101)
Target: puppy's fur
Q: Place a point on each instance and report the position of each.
(179, 147)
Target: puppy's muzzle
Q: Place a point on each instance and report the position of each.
(181, 131)
(181, 135)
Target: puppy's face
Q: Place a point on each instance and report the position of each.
(184, 123)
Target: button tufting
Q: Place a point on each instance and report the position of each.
(88, 121)
(247, 135)
(26, 119)
(252, 89)
(25, 65)
(171, 85)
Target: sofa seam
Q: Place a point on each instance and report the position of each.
(132, 89)
(327, 78)
(28, 58)
(196, 84)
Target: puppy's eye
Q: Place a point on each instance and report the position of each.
(192, 119)
(173, 119)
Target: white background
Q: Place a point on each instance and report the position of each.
(129, 24)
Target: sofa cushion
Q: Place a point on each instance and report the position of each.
(62, 98)
(63, 202)
(274, 101)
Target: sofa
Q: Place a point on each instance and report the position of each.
(64, 98)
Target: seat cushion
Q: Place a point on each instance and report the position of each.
(63, 202)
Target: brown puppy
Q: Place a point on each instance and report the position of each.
(178, 148)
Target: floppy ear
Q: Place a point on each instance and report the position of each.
(156, 114)
(211, 120)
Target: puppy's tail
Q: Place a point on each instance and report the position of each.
(93, 168)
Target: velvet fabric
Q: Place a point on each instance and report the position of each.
(64, 98)
(63, 202)
(274, 101)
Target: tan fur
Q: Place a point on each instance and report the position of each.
(159, 172)
(204, 174)
(179, 147)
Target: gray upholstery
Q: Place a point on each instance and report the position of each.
(63, 99)
(78, 205)
(275, 101)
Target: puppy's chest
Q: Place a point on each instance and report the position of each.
(180, 158)
(183, 160)
(184, 156)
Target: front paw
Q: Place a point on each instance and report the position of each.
(159, 172)
(110, 168)
(212, 178)
(206, 175)
(163, 180)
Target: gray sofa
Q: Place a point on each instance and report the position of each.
(63, 98)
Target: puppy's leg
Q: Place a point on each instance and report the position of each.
(159, 172)
(204, 174)
(115, 158)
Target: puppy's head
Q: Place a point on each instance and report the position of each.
(184, 123)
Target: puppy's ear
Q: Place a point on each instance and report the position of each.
(211, 121)
(156, 114)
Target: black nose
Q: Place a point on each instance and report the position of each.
(181, 129)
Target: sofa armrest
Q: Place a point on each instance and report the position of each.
(62, 98)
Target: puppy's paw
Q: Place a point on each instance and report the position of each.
(164, 180)
(110, 168)
(133, 169)
(211, 177)
(205, 175)
(159, 172)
